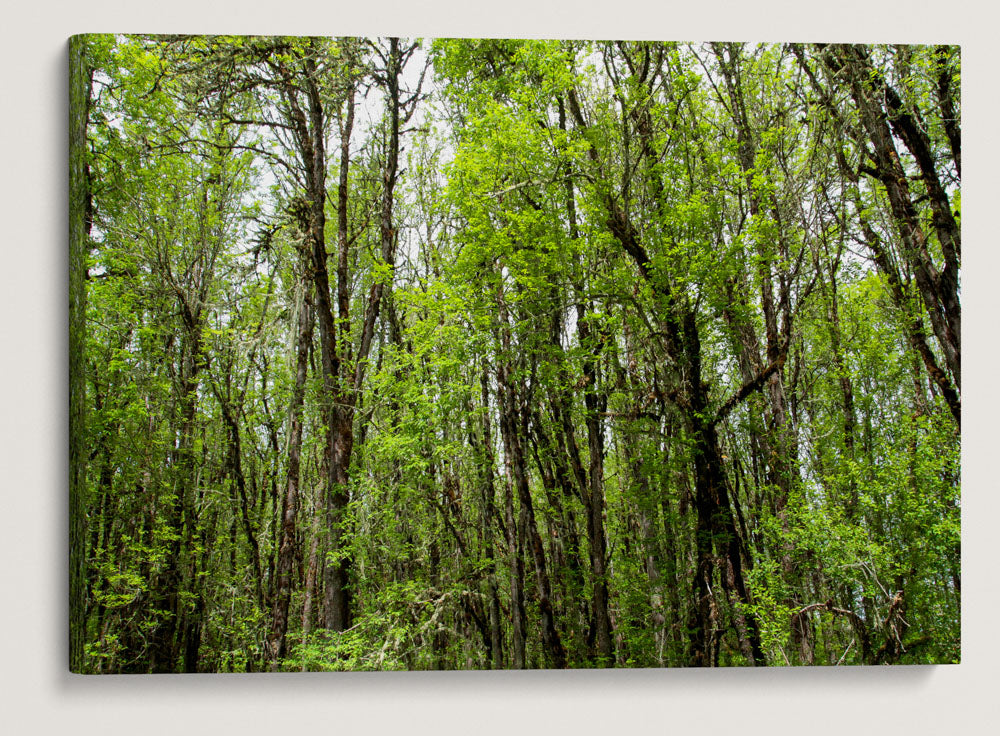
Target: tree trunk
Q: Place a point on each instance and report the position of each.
(289, 503)
(487, 465)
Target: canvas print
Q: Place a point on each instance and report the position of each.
(412, 354)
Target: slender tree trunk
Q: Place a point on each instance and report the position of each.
(289, 504)
(595, 407)
(309, 587)
(517, 612)
(487, 465)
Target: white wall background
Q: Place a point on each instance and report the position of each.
(38, 695)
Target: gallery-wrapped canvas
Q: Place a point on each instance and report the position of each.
(403, 354)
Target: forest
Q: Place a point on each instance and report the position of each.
(415, 354)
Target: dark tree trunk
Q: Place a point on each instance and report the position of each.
(487, 465)
(517, 613)
(596, 405)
